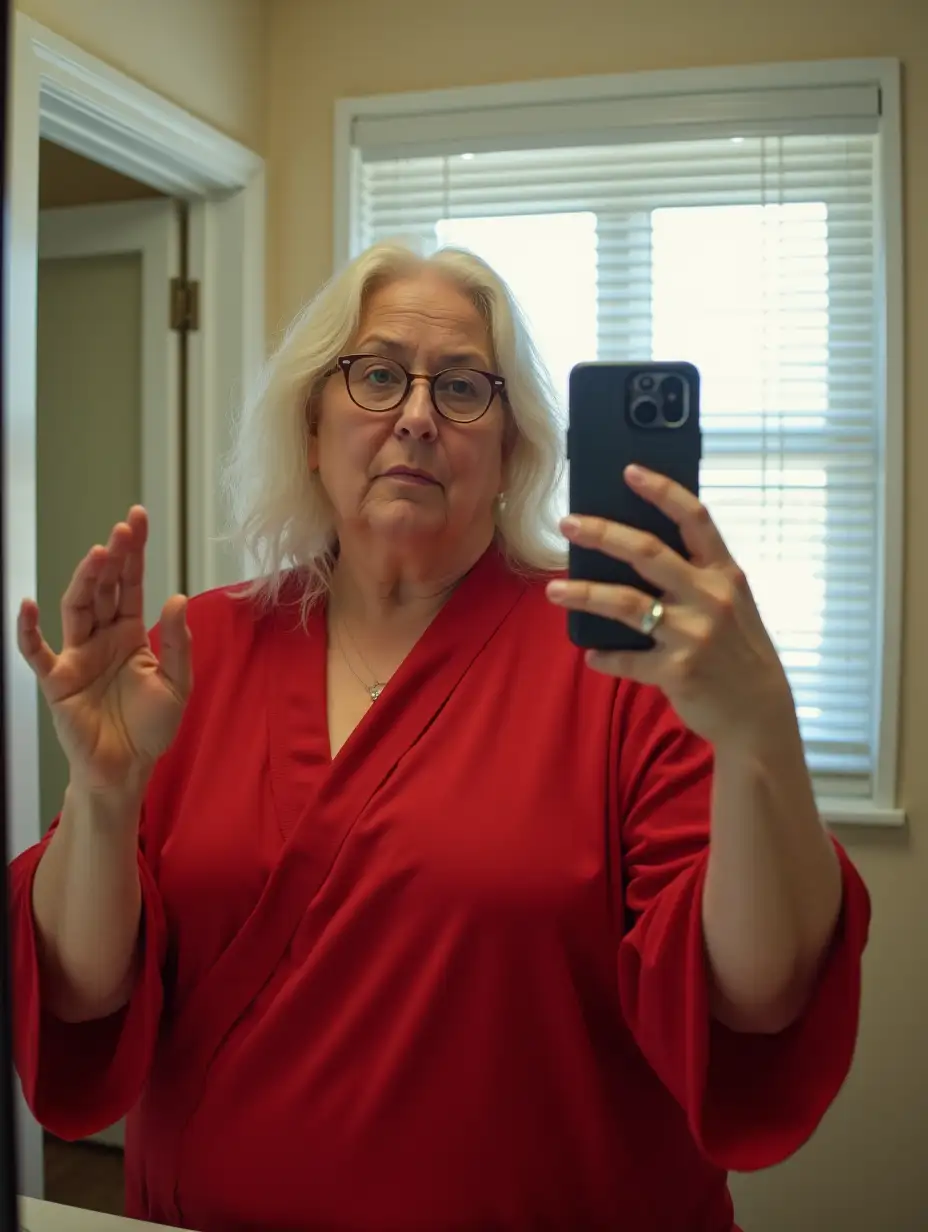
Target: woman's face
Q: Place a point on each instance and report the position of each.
(427, 324)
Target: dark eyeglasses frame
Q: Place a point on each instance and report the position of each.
(344, 362)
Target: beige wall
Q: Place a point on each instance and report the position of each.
(867, 1170)
(67, 179)
(208, 56)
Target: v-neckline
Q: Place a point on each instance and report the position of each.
(301, 760)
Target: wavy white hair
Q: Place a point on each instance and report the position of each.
(281, 514)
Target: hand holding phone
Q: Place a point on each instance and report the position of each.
(623, 414)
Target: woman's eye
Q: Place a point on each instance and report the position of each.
(381, 376)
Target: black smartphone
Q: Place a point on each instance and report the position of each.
(619, 414)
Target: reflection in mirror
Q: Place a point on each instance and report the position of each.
(389, 889)
(312, 858)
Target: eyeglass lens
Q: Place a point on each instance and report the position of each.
(379, 384)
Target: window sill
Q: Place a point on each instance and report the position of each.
(850, 812)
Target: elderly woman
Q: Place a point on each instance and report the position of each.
(376, 904)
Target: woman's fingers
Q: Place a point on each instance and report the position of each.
(175, 646)
(77, 602)
(646, 553)
(106, 597)
(700, 534)
(678, 625)
(32, 645)
(623, 603)
(131, 581)
(651, 558)
(94, 595)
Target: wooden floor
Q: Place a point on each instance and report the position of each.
(84, 1174)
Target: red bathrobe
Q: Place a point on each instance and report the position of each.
(452, 980)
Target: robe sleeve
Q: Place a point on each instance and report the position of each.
(751, 1100)
(78, 1078)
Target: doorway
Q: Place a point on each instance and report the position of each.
(79, 103)
(97, 232)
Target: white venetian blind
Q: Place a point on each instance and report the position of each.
(751, 256)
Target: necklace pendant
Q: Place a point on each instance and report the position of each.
(375, 690)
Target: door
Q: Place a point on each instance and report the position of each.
(108, 410)
(97, 262)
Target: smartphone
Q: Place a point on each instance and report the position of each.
(646, 413)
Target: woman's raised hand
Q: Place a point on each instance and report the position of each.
(116, 707)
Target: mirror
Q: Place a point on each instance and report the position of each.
(396, 879)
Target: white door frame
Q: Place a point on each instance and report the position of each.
(150, 230)
(78, 101)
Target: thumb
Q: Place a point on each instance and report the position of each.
(175, 645)
(32, 645)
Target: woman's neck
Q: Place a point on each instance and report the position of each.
(388, 590)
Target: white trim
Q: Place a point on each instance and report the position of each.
(345, 171)
(223, 357)
(428, 111)
(101, 113)
(621, 118)
(60, 92)
(150, 229)
(784, 76)
(860, 813)
(891, 276)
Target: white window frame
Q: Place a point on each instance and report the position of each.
(652, 99)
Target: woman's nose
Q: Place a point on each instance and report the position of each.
(418, 417)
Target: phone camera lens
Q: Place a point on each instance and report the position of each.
(672, 400)
(672, 389)
(645, 382)
(644, 413)
(673, 412)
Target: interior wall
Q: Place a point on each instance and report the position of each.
(68, 179)
(865, 1168)
(208, 56)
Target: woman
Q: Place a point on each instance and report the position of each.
(373, 902)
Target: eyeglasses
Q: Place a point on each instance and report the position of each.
(461, 395)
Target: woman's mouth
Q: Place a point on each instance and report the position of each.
(410, 474)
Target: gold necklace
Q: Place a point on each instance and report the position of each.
(373, 690)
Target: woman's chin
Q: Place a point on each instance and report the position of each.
(406, 521)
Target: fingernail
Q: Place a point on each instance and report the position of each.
(570, 525)
(635, 473)
(557, 590)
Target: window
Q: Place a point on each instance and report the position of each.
(743, 230)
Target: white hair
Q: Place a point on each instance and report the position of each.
(281, 514)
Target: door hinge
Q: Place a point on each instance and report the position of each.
(185, 305)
